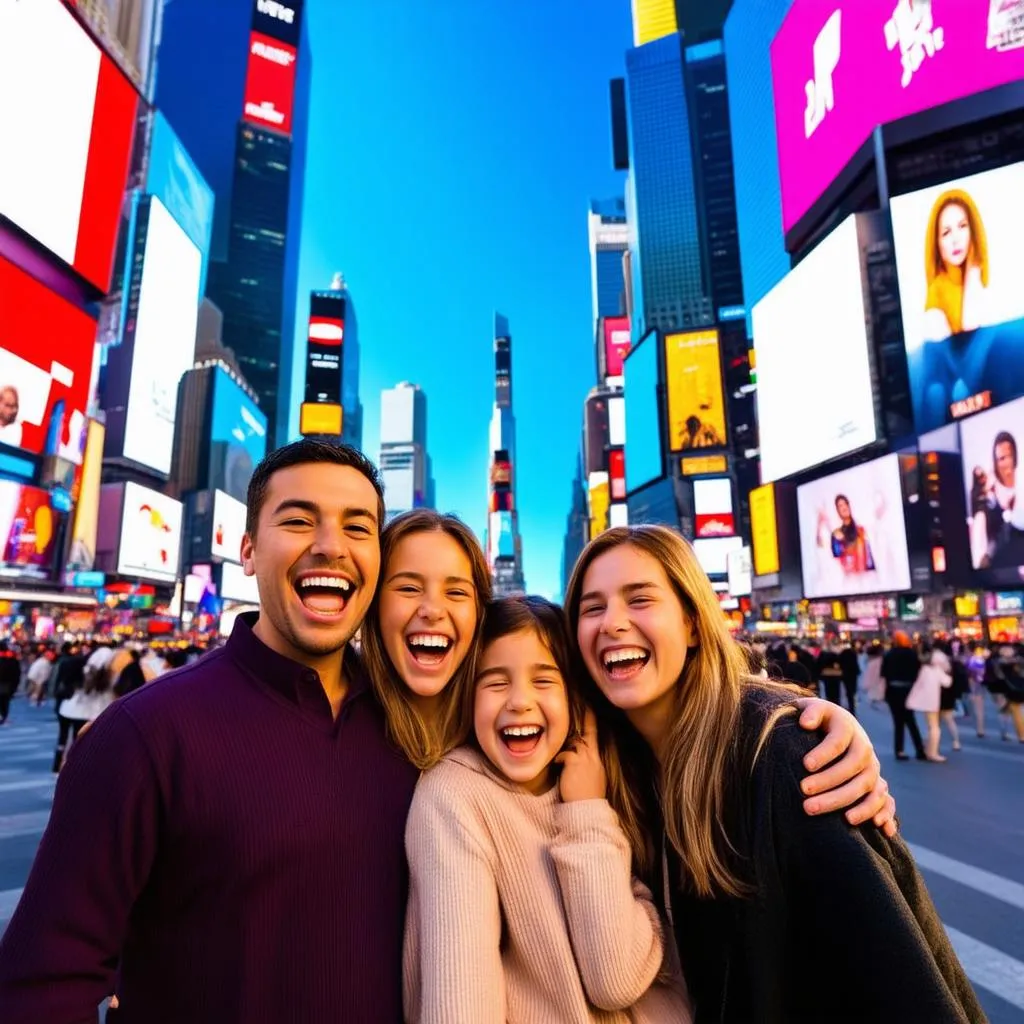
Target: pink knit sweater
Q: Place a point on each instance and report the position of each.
(522, 909)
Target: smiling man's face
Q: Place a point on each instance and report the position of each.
(316, 558)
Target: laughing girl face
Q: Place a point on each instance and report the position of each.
(428, 611)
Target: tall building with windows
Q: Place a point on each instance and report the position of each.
(504, 545)
(404, 464)
(609, 239)
(234, 79)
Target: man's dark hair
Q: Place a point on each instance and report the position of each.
(1005, 437)
(298, 453)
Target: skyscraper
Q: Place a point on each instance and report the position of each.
(576, 522)
(404, 463)
(234, 79)
(504, 544)
(609, 239)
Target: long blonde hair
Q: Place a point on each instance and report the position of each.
(423, 742)
(700, 758)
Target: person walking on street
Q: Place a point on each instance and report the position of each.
(39, 673)
(900, 667)
(830, 673)
(10, 679)
(849, 662)
(933, 677)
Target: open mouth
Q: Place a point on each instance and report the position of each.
(324, 595)
(428, 649)
(625, 662)
(521, 740)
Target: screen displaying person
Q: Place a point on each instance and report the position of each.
(956, 267)
(850, 545)
(10, 403)
(996, 520)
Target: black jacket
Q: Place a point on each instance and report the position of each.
(841, 929)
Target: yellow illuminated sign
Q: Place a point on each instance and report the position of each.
(320, 418)
(696, 404)
(764, 530)
(87, 508)
(702, 464)
(600, 500)
(653, 19)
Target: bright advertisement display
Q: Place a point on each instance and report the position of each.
(712, 508)
(740, 572)
(959, 249)
(696, 404)
(643, 422)
(815, 399)
(764, 532)
(150, 543)
(29, 531)
(174, 178)
(325, 337)
(236, 586)
(72, 133)
(46, 354)
(921, 54)
(87, 508)
(164, 338)
(853, 535)
(617, 344)
(616, 421)
(713, 553)
(270, 83)
(501, 542)
(599, 502)
(617, 474)
(281, 19)
(228, 527)
(990, 443)
(238, 437)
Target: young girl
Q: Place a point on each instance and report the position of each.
(778, 915)
(522, 906)
(422, 633)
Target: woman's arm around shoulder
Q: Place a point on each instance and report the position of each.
(851, 892)
(452, 960)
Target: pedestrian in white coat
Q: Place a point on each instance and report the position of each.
(926, 695)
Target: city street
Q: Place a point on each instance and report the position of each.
(964, 820)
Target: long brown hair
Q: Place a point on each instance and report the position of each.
(423, 742)
(699, 757)
(511, 615)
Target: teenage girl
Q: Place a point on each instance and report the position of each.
(778, 914)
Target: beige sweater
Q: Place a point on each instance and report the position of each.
(522, 909)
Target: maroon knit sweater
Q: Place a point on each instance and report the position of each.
(220, 850)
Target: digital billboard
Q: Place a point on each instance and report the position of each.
(696, 404)
(46, 354)
(162, 332)
(990, 443)
(599, 502)
(325, 337)
(238, 436)
(959, 248)
(920, 55)
(617, 474)
(853, 534)
(764, 530)
(176, 181)
(87, 507)
(72, 134)
(270, 83)
(712, 507)
(713, 553)
(815, 399)
(644, 462)
(236, 586)
(596, 432)
(616, 421)
(739, 570)
(280, 19)
(29, 531)
(500, 537)
(617, 343)
(150, 538)
(320, 418)
(618, 514)
(228, 527)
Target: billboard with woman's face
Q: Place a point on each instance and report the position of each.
(958, 257)
(853, 534)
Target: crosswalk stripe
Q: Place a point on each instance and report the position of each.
(967, 874)
(27, 824)
(990, 968)
(14, 787)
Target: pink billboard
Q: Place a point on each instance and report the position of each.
(841, 67)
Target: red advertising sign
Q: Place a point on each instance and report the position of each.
(46, 349)
(617, 473)
(717, 524)
(617, 344)
(270, 83)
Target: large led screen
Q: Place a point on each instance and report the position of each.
(643, 427)
(326, 335)
(712, 507)
(46, 354)
(238, 436)
(66, 122)
(29, 532)
(617, 343)
(228, 527)
(696, 404)
(150, 541)
(853, 535)
(764, 530)
(164, 338)
(713, 553)
(616, 421)
(281, 19)
(814, 395)
(236, 586)
(959, 250)
(270, 83)
(174, 178)
(843, 67)
(501, 541)
(990, 443)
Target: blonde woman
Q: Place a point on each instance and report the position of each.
(774, 910)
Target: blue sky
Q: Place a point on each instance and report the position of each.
(454, 147)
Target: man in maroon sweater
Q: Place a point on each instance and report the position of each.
(226, 845)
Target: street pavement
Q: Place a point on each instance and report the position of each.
(964, 821)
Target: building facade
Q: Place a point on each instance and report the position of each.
(404, 463)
